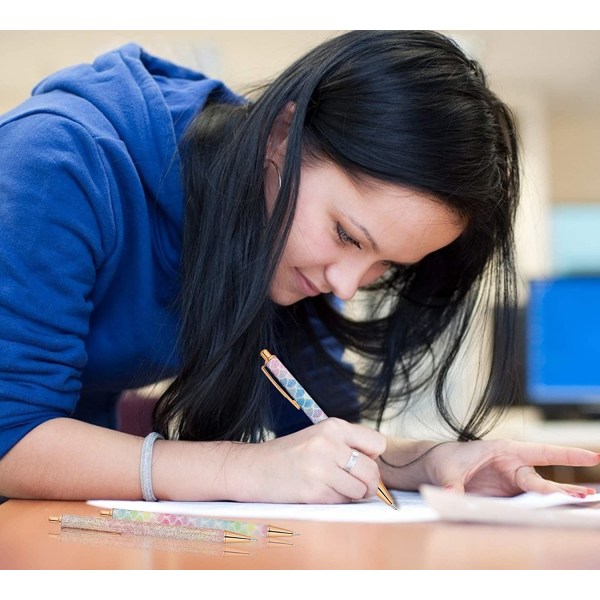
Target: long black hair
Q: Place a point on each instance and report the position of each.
(401, 107)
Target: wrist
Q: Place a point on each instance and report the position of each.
(193, 471)
(405, 463)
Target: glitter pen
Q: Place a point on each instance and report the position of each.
(138, 542)
(150, 529)
(250, 529)
(291, 390)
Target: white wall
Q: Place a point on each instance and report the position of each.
(240, 58)
(575, 156)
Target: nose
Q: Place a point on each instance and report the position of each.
(346, 277)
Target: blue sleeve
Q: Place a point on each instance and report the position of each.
(335, 395)
(52, 183)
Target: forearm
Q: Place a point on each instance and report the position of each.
(70, 460)
(405, 452)
(64, 459)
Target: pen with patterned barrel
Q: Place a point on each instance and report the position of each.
(150, 529)
(245, 528)
(291, 390)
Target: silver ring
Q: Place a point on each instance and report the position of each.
(351, 461)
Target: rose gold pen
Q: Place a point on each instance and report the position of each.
(291, 390)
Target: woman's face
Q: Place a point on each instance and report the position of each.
(346, 235)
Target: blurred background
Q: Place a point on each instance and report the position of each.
(551, 79)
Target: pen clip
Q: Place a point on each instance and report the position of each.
(274, 381)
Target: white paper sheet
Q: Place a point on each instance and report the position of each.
(554, 510)
(412, 509)
(431, 504)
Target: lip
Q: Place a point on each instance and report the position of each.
(306, 286)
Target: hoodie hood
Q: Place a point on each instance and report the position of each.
(147, 102)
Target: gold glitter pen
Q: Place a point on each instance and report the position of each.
(117, 540)
(150, 529)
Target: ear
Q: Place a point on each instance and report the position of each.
(277, 142)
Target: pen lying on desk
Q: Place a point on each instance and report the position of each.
(113, 540)
(250, 529)
(289, 387)
(151, 529)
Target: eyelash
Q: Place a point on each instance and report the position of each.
(345, 238)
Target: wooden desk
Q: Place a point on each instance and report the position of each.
(26, 543)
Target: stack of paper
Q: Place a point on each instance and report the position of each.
(555, 510)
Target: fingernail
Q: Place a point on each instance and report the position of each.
(448, 487)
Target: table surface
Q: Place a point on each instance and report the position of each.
(29, 541)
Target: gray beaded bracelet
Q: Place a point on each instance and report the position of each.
(146, 466)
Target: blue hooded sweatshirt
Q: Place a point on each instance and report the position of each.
(91, 214)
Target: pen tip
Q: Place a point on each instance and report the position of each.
(275, 531)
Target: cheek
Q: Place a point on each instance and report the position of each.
(308, 246)
(373, 274)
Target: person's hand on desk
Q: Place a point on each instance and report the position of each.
(497, 467)
(311, 465)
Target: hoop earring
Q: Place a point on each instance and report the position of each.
(276, 169)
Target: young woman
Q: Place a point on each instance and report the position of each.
(156, 225)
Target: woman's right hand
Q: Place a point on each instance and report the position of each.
(307, 466)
